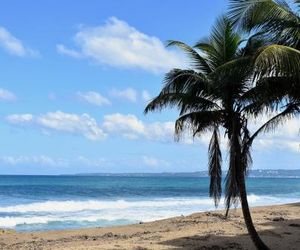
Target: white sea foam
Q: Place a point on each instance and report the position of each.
(13, 221)
(112, 211)
(73, 206)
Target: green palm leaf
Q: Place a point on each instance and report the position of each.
(214, 167)
(275, 18)
(269, 94)
(197, 61)
(291, 110)
(177, 81)
(222, 44)
(198, 122)
(185, 102)
(277, 60)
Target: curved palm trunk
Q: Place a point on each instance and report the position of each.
(241, 184)
(247, 215)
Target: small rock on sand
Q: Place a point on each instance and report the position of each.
(278, 219)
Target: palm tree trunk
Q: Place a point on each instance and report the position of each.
(260, 245)
(240, 174)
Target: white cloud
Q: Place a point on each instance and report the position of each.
(160, 131)
(78, 124)
(93, 98)
(118, 44)
(290, 128)
(38, 160)
(81, 161)
(100, 162)
(146, 96)
(6, 95)
(128, 94)
(20, 119)
(84, 124)
(150, 161)
(61, 49)
(43, 160)
(130, 127)
(285, 136)
(154, 162)
(13, 45)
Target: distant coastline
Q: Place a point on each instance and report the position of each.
(258, 173)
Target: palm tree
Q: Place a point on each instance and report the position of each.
(279, 22)
(277, 19)
(216, 94)
(277, 66)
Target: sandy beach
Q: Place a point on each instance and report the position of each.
(279, 226)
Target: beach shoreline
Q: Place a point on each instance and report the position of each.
(278, 225)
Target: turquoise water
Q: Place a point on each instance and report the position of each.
(61, 202)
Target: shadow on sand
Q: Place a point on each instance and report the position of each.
(282, 234)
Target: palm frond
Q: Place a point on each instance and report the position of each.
(186, 89)
(225, 39)
(197, 61)
(232, 177)
(292, 110)
(297, 3)
(269, 94)
(253, 43)
(249, 14)
(185, 102)
(236, 72)
(198, 122)
(277, 60)
(210, 52)
(246, 159)
(275, 18)
(222, 45)
(214, 167)
(181, 81)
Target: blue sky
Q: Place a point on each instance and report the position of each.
(76, 77)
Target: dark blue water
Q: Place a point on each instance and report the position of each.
(59, 202)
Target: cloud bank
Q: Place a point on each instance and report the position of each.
(118, 44)
(83, 125)
(131, 127)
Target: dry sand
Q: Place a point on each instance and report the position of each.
(279, 227)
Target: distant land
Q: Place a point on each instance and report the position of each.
(258, 173)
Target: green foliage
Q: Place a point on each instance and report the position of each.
(210, 94)
(277, 60)
(232, 80)
(277, 63)
(275, 18)
(215, 167)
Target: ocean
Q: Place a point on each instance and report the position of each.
(34, 203)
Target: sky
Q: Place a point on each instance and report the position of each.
(77, 75)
